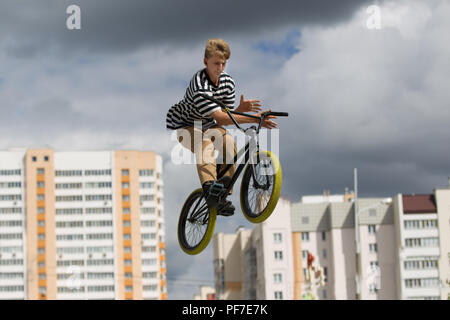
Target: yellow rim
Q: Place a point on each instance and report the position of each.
(275, 193)
(209, 231)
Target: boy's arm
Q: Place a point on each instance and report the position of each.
(223, 119)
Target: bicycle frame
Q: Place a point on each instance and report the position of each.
(250, 148)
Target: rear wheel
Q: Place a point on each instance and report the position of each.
(261, 187)
(196, 223)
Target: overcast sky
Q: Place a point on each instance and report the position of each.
(372, 99)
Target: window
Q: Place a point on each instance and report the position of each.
(324, 236)
(125, 172)
(148, 223)
(45, 158)
(148, 236)
(100, 288)
(127, 262)
(41, 250)
(373, 247)
(147, 197)
(278, 255)
(42, 276)
(99, 236)
(324, 294)
(127, 236)
(305, 236)
(372, 229)
(98, 197)
(40, 184)
(40, 171)
(278, 295)
(324, 253)
(40, 197)
(69, 185)
(99, 223)
(125, 185)
(127, 249)
(98, 185)
(42, 290)
(34, 158)
(128, 275)
(147, 210)
(41, 236)
(152, 287)
(126, 223)
(421, 264)
(149, 275)
(277, 278)
(150, 262)
(126, 197)
(277, 238)
(69, 237)
(41, 210)
(68, 173)
(69, 198)
(69, 224)
(126, 210)
(147, 185)
(422, 242)
(147, 173)
(106, 172)
(305, 254)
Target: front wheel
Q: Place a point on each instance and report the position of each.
(196, 223)
(261, 187)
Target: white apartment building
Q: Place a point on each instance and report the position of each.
(81, 225)
(256, 264)
(422, 235)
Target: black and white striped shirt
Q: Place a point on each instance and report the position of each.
(194, 107)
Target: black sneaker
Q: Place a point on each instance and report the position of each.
(227, 209)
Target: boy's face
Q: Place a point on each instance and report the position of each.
(215, 66)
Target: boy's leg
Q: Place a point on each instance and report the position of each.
(227, 151)
(204, 153)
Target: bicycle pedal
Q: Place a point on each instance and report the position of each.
(216, 189)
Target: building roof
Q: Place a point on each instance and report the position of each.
(420, 203)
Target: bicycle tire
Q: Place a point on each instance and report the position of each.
(186, 213)
(259, 215)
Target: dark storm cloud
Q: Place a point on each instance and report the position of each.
(126, 25)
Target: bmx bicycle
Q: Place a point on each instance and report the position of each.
(259, 194)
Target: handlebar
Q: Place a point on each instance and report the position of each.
(279, 114)
(263, 114)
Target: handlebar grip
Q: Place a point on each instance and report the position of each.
(279, 114)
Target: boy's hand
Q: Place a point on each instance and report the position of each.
(252, 105)
(267, 123)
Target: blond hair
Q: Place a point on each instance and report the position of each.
(217, 47)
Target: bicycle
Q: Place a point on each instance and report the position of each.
(259, 194)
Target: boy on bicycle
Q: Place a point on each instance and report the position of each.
(214, 82)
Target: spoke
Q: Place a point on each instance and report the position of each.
(195, 231)
(259, 198)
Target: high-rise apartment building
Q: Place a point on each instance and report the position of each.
(422, 234)
(258, 263)
(81, 225)
(400, 249)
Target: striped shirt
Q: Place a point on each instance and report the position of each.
(194, 107)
